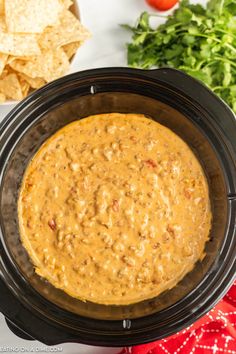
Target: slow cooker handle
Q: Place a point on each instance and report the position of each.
(17, 331)
(198, 92)
(34, 327)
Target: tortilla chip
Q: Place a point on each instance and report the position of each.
(71, 48)
(24, 86)
(10, 86)
(3, 61)
(2, 98)
(66, 4)
(4, 73)
(25, 89)
(19, 44)
(31, 16)
(38, 38)
(1, 7)
(69, 30)
(3, 27)
(11, 58)
(7, 70)
(35, 83)
(49, 66)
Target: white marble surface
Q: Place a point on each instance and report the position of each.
(105, 48)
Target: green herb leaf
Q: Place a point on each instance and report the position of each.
(200, 41)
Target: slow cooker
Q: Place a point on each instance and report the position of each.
(36, 310)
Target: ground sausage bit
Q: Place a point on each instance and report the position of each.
(52, 224)
(114, 209)
(115, 205)
(150, 163)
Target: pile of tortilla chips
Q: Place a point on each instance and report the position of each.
(38, 38)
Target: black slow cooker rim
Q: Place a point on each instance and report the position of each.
(149, 334)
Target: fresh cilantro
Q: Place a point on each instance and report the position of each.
(199, 40)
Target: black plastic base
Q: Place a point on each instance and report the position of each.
(17, 331)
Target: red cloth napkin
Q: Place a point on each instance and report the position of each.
(212, 334)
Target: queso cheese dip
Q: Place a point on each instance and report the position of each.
(114, 209)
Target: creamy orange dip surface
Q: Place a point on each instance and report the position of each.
(114, 209)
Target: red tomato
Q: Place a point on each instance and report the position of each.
(162, 5)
